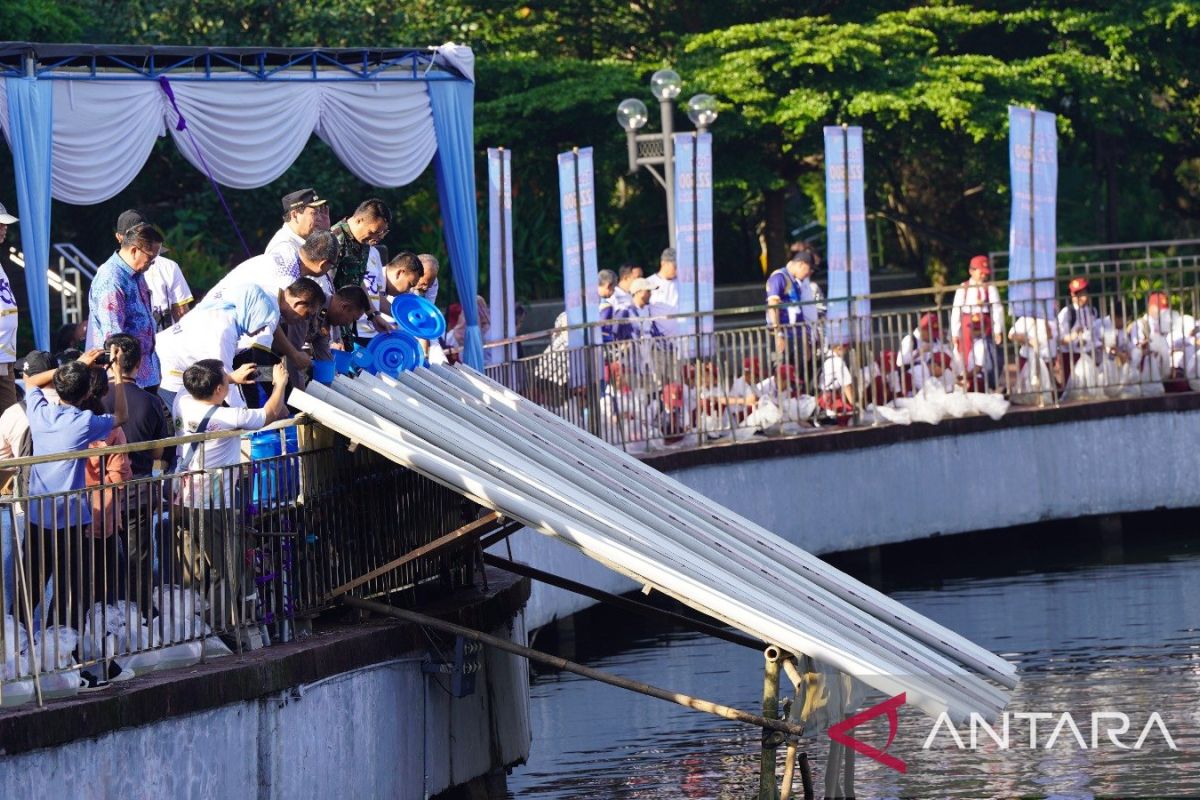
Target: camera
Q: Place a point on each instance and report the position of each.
(102, 360)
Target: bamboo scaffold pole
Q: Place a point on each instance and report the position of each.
(687, 701)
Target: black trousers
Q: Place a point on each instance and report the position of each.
(83, 569)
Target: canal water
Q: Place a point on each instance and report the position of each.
(1101, 616)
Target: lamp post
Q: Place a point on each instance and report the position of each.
(650, 150)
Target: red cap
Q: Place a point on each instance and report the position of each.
(787, 373)
(750, 363)
(941, 359)
(929, 322)
(1077, 285)
(981, 262)
(1158, 300)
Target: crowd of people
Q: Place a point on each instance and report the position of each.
(150, 363)
(802, 369)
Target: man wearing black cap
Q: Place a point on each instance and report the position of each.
(8, 325)
(170, 295)
(304, 211)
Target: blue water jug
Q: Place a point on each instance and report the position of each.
(273, 480)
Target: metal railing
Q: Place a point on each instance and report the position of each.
(177, 568)
(663, 391)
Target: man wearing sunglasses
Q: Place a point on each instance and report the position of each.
(119, 299)
(170, 295)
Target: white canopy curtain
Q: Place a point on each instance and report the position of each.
(250, 131)
(386, 128)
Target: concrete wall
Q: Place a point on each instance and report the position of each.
(382, 731)
(980, 476)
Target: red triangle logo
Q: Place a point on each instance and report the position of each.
(839, 734)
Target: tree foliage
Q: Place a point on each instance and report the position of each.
(929, 82)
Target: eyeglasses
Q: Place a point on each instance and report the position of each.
(376, 238)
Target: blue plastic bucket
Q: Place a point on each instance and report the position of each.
(273, 480)
(342, 363)
(323, 371)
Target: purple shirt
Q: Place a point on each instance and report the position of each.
(119, 302)
(61, 429)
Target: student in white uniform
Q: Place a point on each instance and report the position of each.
(8, 326)
(938, 368)
(923, 342)
(836, 385)
(976, 325)
(1037, 339)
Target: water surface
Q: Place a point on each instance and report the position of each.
(1095, 620)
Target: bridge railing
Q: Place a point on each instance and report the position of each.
(181, 567)
(652, 392)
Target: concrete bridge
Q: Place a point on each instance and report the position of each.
(854, 488)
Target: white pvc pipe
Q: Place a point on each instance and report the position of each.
(388, 406)
(347, 419)
(689, 532)
(873, 602)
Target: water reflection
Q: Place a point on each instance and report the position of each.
(1117, 634)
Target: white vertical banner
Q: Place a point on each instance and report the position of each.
(577, 207)
(501, 292)
(847, 251)
(1033, 227)
(694, 229)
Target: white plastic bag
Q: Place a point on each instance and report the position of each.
(1085, 381)
(16, 642)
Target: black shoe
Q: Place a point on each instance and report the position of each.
(91, 682)
(117, 673)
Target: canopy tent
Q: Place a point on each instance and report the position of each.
(82, 120)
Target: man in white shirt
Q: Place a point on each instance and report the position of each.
(215, 330)
(210, 543)
(8, 325)
(170, 294)
(626, 275)
(427, 287)
(304, 211)
(664, 290)
(278, 269)
(383, 284)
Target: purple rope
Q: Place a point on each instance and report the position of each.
(181, 125)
